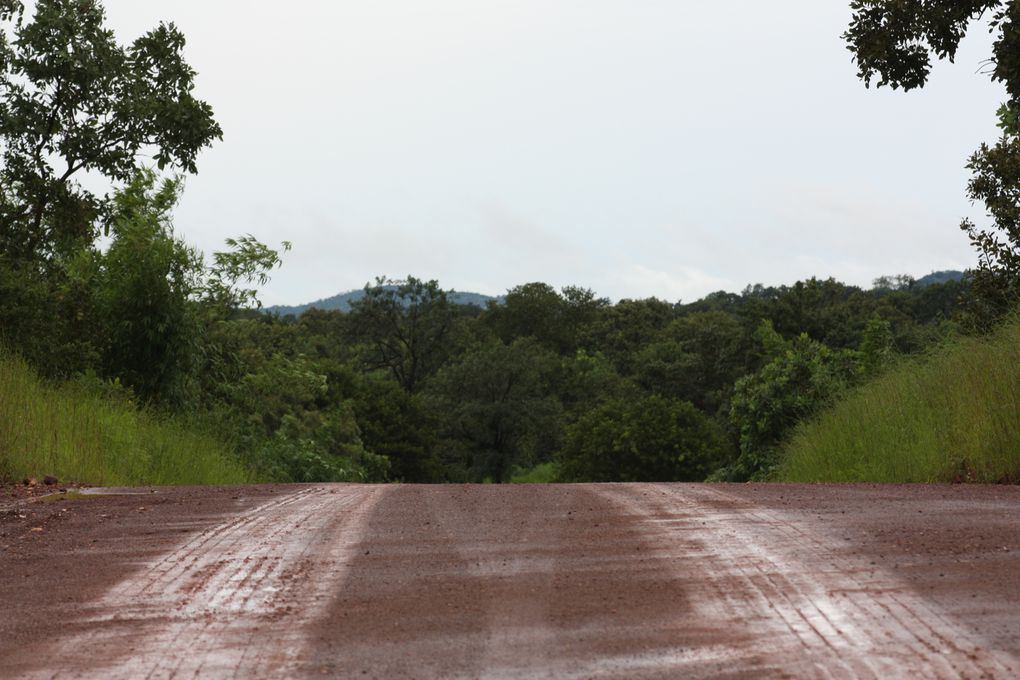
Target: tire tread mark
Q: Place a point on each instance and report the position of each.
(860, 633)
(194, 611)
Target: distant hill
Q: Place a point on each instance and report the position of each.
(342, 302)
(939, 277)
(902, 282)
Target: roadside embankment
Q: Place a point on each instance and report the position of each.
(953, 415)
(75, 433)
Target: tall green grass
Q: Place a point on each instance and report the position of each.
(951, 416)
(76, 434)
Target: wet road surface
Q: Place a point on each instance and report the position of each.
(586, 581)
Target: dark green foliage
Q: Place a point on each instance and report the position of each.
(996, 182)
(828, 310)
(654, 439)
(47, 318)
(73, 101)
(586, 380)
(300, 400)
(533, 310)
(404, 327)
(311, 437)
(292, 415)
(498, 408)
(622, 330)
(145, 283)
(536, 310)
(153, 299)
(400, 427)
(697, 358)
(893, 41)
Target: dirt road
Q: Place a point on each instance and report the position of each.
(615, 581)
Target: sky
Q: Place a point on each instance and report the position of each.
(639, 148)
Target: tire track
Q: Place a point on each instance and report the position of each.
(827, 614)
(231, 602)
(615, 581)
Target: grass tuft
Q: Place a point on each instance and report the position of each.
(72, 433)
(951, 416)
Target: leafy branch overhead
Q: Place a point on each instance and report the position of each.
(74, 101)
(894, 43)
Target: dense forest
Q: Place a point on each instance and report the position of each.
(410, 386)
(405, 382)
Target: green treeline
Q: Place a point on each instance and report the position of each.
(586, 390)
(409, 386)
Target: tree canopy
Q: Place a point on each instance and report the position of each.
(74, 101)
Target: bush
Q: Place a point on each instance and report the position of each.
(802, 377)
(654, 439)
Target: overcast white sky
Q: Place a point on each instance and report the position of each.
(636, 147)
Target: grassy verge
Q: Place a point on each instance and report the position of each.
(952, 416)
(74, 434)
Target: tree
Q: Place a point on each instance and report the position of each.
(588, 379)
(405, 326)
(893, 283)
(800, 377)
(697, 358)
(303, 435)
(235, 275)
(581, 309)
(145, 286)
(496, 406)
(620, 331)
(401, 427)
(533, 310)
(894, 42)
(73, 101)
(654, 439)
(827, 310)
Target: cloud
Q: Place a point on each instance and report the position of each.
(512, 230)
(857, 231)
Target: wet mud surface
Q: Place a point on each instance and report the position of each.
(622, 581)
